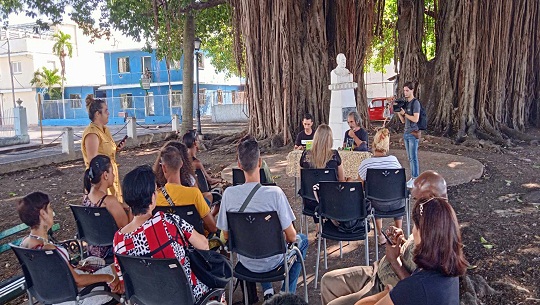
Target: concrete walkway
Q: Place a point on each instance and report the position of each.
(25, 156)
(455, 169)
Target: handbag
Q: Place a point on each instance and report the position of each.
(211, 268)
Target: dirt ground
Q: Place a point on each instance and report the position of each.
(497, 209)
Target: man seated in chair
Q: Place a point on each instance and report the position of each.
(171, 162)
(265, 199)
(350, 285)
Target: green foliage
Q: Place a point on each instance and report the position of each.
(385, 42)
(62, 46)
(135, 19)
(49, 80)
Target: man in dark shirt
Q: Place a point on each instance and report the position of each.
(355, 138)
(306, 134)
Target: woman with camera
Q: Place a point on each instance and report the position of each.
(409, 115)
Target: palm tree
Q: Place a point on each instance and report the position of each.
(62, 48)
(49, 80)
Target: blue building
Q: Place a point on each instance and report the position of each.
(124, 71)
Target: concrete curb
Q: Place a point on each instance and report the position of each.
(58, 157)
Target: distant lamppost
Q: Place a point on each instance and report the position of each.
(197, 45)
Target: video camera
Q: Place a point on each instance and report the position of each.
(399, 103)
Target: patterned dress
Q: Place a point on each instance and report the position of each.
(153, 233)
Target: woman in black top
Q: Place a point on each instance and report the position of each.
(438, 254)
(321, 155)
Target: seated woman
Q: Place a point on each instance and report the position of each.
(35, 210)
(97, 179)
(147, 233)
(321, 155)
(381, 159)
(438, 255)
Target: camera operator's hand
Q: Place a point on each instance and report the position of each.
(402, 112)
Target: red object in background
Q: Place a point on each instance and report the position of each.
(376, 109)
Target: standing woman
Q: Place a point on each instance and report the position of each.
(97, 140)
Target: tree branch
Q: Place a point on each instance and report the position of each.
(196, 6)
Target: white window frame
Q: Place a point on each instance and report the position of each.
(143, 67)
(126, 101)
(51, 64)
(176, 98)
(123, 65)
(16, 67)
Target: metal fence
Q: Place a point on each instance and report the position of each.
(7, 123)
(141, 106)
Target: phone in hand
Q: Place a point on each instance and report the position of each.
(387, 238)
(122, 141)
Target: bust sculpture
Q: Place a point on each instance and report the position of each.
(341, 74)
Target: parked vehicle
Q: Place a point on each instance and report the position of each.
(376, 108)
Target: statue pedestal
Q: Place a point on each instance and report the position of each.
(342, 102)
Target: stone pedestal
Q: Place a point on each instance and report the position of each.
(342, 102)
(132, 128)
(20, 122)
(175, 123)
(68, 146)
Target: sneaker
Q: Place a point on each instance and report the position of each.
(268, 296)
(410, 183)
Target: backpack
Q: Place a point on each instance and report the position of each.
(422, 120)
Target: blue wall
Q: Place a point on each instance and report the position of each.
(158, 68)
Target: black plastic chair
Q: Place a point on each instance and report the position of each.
(95, 225)
(204, 186)
(385, 185)
(188, 213)
(341, 201)
(240, 178)
(308, 178)
(150, 281)
(49, 279)
(246, 231)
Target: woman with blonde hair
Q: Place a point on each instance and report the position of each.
(381, 160)
(321, 155)
(97, 140)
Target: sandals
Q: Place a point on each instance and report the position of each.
(382, 241)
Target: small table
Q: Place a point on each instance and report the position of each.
(349, 159)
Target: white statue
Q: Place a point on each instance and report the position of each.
(342, 100)
(341, 74)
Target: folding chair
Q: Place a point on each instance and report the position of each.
(259, 235)
(341, 201)
(163, 281)
(385, 185)
(190, 214)
(49, 279)
(308, 178)
(240, 178)
(95, 226)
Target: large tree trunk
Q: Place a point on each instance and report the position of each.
(187, 73)
(484, 78)
(291, 47)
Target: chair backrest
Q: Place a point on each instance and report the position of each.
(47, 275)
(386, 184)
(342, 201)
(201, 181)
(240, 178)
(311, 176)
(95, 225)
(256, 235)
(151, 281)
(188, 213)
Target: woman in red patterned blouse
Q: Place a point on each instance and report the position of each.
(155, 235)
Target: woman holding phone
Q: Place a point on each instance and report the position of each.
(438, 255)
(97, 140)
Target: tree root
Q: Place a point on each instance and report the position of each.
(515, 134)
